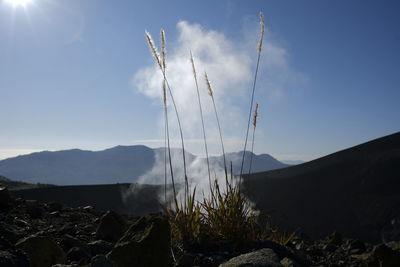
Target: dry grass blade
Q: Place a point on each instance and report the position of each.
(156, 55)
(202, 119)
(211, 93)
(254, 131)
(253, 91)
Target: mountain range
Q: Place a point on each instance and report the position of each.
(120, 164)
(355, 191)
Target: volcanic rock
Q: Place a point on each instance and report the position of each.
(100, 261)
(146, 243)
(78, 254)
(16, 259)
(34, 209)
(100, 247)
(112, 226)
(4, 197)
(42, 251)
(261, 258)
(384, 256)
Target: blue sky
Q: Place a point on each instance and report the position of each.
(78, 73)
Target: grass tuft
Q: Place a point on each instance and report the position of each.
(226, 213)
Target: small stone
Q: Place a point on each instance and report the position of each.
(88, 208)
(55, 214)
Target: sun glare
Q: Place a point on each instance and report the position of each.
(22, 3)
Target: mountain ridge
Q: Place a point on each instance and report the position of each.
(119, 164)
(355, 191)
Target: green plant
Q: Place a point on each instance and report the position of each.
(186, 221)
(267, 231)
(228, 215)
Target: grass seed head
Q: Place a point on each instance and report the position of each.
(260, 42)
(193, 67)
(153, 49)
(163, 48)
(210, 90)
(255, 116)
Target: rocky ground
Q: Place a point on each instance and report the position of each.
(39, 234)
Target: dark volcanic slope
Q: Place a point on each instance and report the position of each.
(16, 185)
(355, 191)
(142, 200)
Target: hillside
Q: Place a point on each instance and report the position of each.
(355, 191)
(120, 164)
(16, 185)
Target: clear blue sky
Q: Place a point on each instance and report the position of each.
(69, 73)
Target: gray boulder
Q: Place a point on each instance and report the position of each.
(261, 258)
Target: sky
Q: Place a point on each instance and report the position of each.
(79, 74)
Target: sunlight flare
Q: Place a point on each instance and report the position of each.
(15, 3)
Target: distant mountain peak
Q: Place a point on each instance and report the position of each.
(122, 163)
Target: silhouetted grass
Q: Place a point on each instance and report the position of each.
(225, 213)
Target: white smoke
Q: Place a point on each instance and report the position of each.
(197, 172)
(230, 68)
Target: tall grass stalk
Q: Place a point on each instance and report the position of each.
(164, 90)
(165, 160)
(255, 116)
(202, 119)
(211, 93)
(161, 63)
(260, 44)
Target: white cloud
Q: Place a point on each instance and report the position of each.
(230, 66)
